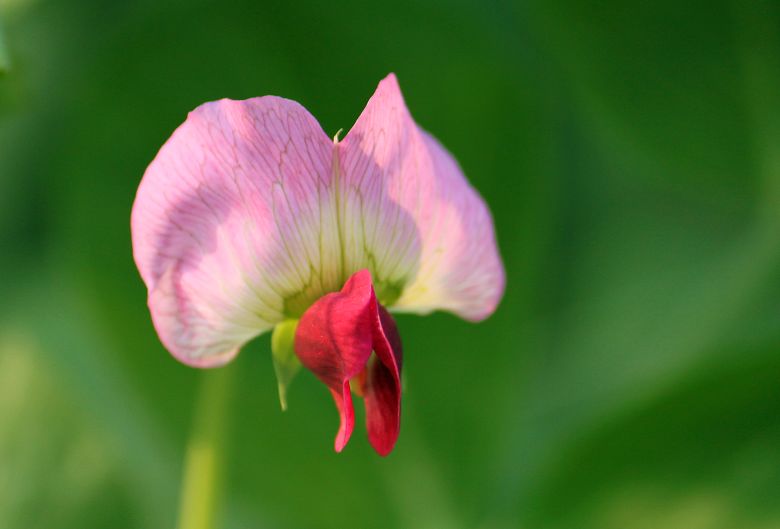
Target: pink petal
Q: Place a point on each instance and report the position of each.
(335, 338)
(234, 225)
(412, 216)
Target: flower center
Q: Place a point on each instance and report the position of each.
(387, 292)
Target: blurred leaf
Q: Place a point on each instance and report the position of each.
(53, 453)
(5, 59)
(702, 455)
(84, 365)
(663, 251)
(656, 83)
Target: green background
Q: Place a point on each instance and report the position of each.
(630, 154)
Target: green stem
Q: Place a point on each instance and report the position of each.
(202, 479)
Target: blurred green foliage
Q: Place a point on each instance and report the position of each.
(630, 153)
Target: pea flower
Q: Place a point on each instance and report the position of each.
(250, 218)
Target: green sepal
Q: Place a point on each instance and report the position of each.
(286, 363)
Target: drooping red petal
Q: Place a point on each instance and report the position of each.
(382, 385)
(335, 338)
(343, 399)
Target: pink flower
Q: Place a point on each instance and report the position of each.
(250, 218)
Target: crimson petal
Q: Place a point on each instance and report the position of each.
(382, 385)
(335, 338)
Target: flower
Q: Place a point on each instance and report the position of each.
(250, 219)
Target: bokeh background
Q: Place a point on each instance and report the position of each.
(630, 153)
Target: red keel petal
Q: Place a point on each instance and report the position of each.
(335, 338)
(382, 386)
(343, 401)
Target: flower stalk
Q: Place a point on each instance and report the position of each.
(202, 476)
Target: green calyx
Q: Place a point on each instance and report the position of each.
(286, 363)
